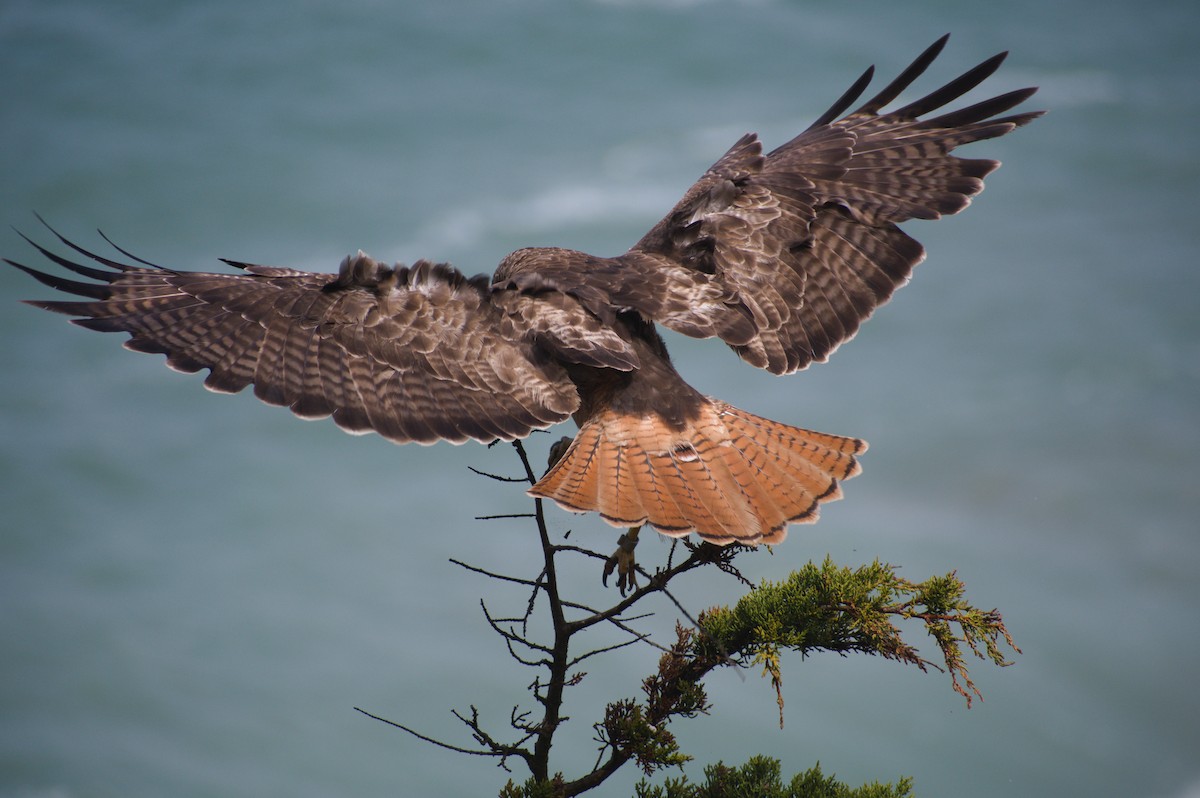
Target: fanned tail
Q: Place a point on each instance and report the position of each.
(730, 476)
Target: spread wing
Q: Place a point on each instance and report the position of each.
(417, 353)
(784, 255)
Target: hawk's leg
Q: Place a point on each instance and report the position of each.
(557, 450)
(622, 560)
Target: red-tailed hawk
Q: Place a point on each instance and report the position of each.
(780, 255)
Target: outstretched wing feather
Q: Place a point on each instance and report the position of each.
(415, 354)
(784, 255)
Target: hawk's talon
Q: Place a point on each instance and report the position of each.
(622, 560)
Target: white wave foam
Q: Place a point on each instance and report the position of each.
(550, 209)
(670, 3)
(36, 792)
(1190, 790)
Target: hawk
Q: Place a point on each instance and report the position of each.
(781, 255)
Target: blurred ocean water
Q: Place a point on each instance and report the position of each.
(196, 590)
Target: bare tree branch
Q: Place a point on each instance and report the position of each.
(499, 751)
(823, 608)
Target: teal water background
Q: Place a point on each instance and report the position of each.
(196, 590)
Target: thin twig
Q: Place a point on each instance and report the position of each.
(439, 743)
(637, 639)
(496, 477)
(493, 574)
(509, 635)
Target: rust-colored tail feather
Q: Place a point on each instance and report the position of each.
(729, 476)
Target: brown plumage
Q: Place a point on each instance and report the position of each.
(781, 255)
